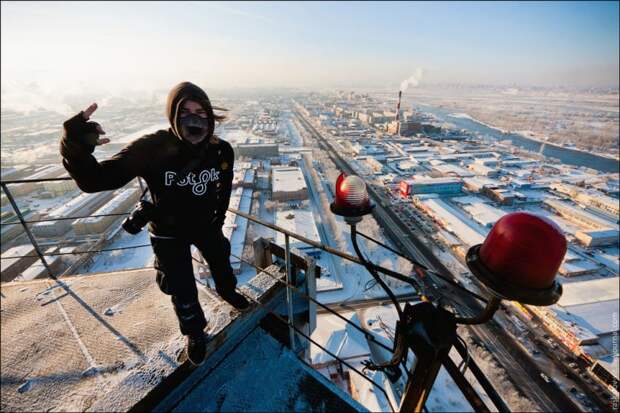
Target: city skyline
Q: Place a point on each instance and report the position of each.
(110, 47)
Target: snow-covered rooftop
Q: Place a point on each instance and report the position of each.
(287, 179)
(104, 342)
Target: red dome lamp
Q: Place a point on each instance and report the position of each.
(352, 201)
(520, 258)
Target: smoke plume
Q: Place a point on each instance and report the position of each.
(413, 80)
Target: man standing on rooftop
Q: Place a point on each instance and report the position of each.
(188, 170)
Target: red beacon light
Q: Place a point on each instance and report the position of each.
(520, 258)
(352, 200)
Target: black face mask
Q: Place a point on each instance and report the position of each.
(194, 125)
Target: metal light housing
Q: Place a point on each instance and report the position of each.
(520, 258)
(352, 199)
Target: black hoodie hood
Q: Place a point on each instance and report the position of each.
(180, 93)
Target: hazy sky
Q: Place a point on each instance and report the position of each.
(107, 46)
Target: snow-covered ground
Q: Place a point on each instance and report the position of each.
(123, 259)
(350, 344)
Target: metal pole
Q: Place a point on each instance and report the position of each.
(289, 291)
(32, 240)
(423, 377)
(497, 400)
(485, 315)
(466, 388)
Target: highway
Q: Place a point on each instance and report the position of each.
(520, 368)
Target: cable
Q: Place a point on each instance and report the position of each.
(368, 335)
(34, 221)
(373, 272)
(367, 286)
(425, 268)
(77, 252)
(291, 325)
(464, 362)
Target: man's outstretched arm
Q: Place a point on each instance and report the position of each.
(77, 144)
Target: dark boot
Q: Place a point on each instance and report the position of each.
(196, 348)
(236, 300)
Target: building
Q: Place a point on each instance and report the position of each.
(479, 184)
(501, 195)
(11, 267)
(579, 216)
(51, 171)
(124, 201)
(84, 204)
(58, 188)
(597, 238)
(38, 270)
(602, 203)
(423, 185)
(374, 164)
(257, 150)
(301, 222)
(288, 183)
(485, 214)
(483, 170)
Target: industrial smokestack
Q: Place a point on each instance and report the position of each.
(400, 93)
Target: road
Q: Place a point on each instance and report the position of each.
(517, 363)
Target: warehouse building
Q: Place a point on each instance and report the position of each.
(11, 265)
(51, 171)
(579, 216)
(257, 150)
(123, 202)
(288, 183)
(423, 185)
(38, 270)
(84, 204)
(597, 238)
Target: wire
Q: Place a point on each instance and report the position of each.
(368, 335)
(368, 285)
(425, 268)
(77, 252)
(291, 325)
(464, 362)
(373, 272)
(34, 221)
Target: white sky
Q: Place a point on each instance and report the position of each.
(67, 47)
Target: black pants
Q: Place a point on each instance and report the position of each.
(175, 274)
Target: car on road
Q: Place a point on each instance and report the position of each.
(545, 377)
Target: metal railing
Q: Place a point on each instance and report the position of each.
(455, 372)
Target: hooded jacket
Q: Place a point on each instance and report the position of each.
(186, 205)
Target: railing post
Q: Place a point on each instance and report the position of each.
(289, 291)
(21, 220)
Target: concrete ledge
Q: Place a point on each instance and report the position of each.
(102, 343)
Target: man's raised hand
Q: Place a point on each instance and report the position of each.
(86, 114)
